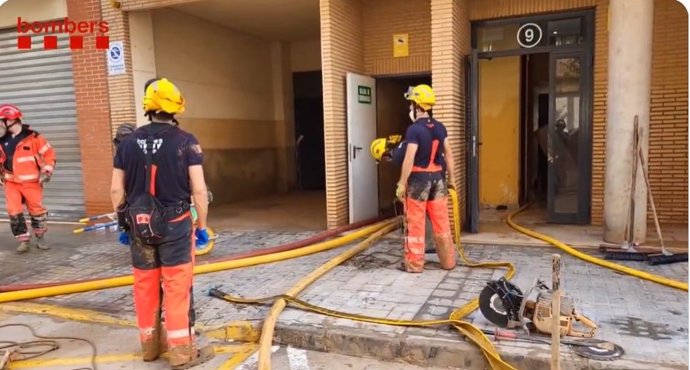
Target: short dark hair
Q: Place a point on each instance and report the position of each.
(161, 116)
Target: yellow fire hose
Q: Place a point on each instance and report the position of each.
(278, 306)
(591, 259)
(201, 269)
(468, 330)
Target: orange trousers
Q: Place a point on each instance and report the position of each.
(427, 192)
(172, 262)
(31, 192)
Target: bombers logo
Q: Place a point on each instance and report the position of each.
(76, 30)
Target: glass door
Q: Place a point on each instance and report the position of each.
(569, 113)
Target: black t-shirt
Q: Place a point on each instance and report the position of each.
(424, 132)
(9, 145)
(174, 152)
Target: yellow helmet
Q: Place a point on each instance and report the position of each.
(422, 94)
(378, 147)
(163, 96)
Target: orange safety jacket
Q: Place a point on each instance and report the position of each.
(32, 154)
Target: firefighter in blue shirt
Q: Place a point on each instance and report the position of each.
(157, 171)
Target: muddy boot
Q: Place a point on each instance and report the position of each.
(38, 224)
(20, 231)
(149, 350)
(163, 341)
(23, 247)
(152, 348)
(187, 356)
(41, 243)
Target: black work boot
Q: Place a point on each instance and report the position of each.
(20, 231)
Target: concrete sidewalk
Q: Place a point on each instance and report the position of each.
(648, 320)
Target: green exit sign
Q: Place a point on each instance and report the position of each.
(364, 94)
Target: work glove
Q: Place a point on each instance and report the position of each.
(201, 236)
(400, 191)
(124, 238)
(45, 176)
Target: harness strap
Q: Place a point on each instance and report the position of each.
(432, 166)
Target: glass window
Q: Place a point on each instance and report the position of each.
(565, 140)
(497, 38)
(565, 32)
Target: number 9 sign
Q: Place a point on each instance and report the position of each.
(529, 35)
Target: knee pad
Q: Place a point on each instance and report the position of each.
(18, 225)
(38, 223)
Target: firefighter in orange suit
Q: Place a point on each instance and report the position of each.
(27, 161)
(423, 185)
(157, 171)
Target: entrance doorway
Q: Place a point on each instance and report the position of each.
(530, 132)
(309, 142)
(392, 118)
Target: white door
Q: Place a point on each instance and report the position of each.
(361, 131)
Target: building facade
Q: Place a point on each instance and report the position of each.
(534, 93)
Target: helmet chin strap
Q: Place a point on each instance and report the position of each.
(413, 114)
(16, 122)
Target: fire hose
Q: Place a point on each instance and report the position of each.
(125, 280)
(470, 331)
(233, 257)
(591, 259)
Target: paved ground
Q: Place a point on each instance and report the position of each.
(650, 321)
(117, 351)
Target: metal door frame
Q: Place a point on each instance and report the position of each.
(586, 50)
(584, 159)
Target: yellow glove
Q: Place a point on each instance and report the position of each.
(394, 139)
(400, 191)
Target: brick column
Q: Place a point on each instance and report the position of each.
(450, 44)
(342, 52)
(93, 111)
(121, 87)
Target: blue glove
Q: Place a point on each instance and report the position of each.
(124, 238)
(201, 237)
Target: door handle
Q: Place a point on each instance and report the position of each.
(354, 151)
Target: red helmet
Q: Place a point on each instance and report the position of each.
(9, 111)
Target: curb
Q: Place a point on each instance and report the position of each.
(440, 352)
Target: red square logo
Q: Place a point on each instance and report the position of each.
(50, 42)
(76, 42)
(143, 218)
(102, 42)
(23, 42)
